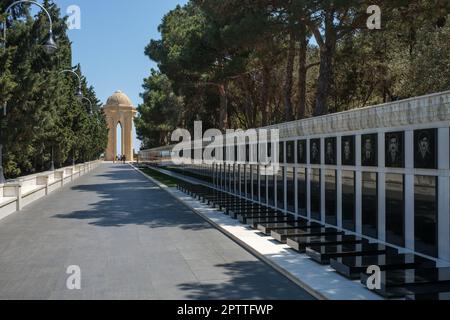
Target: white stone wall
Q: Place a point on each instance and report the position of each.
(16, 194)
(427, 112)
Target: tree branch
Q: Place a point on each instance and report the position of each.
(309, 66)
(315, 31)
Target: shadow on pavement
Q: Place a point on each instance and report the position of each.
(247, 281)
(132, 200)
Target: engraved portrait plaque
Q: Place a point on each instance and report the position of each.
(425, 149)
(369, 150)
(330, 151)
(348, 150)
(315, 151)
(395, 149)
(290, 151)
(301, 151)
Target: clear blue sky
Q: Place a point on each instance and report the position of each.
(110, 45)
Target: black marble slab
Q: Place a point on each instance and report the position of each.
(225, 202)
(233, 202)
(211, 193)
(205, 195)
(282, 219)
(282, 235)
(244, 207)
(236, 213)
(244, 218)
(425, 149)
(300, 243)
(429, 296)
(323, 254)
(417, 281)
(222, 200)
(254, 221)
(237, 204)
(395, 149)
(267, 226)
(352, 267)
(229, 209)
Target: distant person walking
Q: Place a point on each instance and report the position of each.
(124, 158)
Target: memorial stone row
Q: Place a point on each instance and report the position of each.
(425, 150)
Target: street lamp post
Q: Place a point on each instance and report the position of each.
(79, 96)
(49, 47)
(90, 103)
(79, 93)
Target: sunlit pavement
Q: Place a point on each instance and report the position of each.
(130, 240)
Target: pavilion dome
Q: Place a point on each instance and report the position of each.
(119, 99)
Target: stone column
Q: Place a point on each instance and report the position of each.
(127, 137)
(110, 151)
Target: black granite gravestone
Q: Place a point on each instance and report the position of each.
(425, 149)
(281, 152)
(369, 150)
(395, 149)
(302, 191)
(290, 152)
(301, 152)
(330, 151)
(348, 150)
(315, 151)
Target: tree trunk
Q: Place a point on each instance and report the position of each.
(288, 110)
(265, 96)
(326, 66)
(302, 73)
(223, 107)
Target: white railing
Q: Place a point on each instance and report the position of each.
(15, 194)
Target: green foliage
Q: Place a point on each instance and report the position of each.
(160, 112)
(42, 111)
(165, 179)
(262, 62)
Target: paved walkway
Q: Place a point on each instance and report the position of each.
(131, 241)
